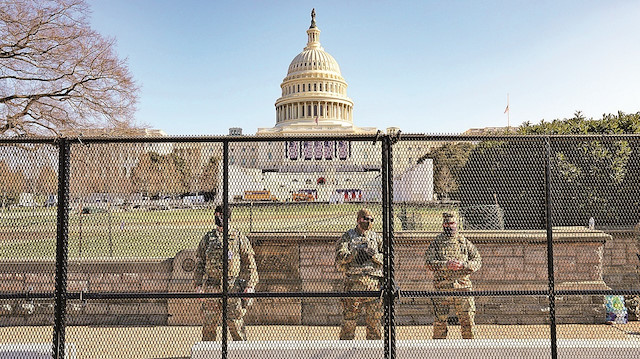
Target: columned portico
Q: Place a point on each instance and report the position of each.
(314, 95)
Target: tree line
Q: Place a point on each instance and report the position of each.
(115, 169)
(589, 177)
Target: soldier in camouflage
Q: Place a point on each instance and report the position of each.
(242, 274)
(633, 302)
(359, 256)
(452, 258)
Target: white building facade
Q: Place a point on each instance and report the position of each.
(313, 101)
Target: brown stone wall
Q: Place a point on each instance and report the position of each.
(90, 276)
(621, 264)
(512, 260)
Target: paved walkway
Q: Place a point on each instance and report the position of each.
(176, 342)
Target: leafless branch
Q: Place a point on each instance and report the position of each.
(56, 72)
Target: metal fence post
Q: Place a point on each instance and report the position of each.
(388, 291)
(385, 236)
(62, 235)
(391, 290)
(550, 270)
(225, 245)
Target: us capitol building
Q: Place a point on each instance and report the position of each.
(314, 101)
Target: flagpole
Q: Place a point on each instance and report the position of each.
(508, 113)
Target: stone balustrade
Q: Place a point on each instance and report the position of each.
(512, 260)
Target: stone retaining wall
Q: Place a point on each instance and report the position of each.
(512, 260)
(621, 264)
(91, 276)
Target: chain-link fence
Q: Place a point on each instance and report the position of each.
(154, 247)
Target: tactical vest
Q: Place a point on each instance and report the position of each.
(451, 248)
(214, 257)
(357, 240)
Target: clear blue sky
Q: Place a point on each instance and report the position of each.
(423, 66)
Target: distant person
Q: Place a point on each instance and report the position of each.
(452, 258)
(359, 256)
(242, 273)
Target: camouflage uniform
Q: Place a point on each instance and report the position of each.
(208, 274)
(362, 274)
(633, 302)
(442, 249)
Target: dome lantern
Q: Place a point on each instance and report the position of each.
(313, 33)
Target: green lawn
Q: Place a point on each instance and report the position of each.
(31, 233)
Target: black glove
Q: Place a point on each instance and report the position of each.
(364, 254)
(370, 252)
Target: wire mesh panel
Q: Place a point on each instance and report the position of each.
(321, 239)
(595, 209)
(582, 335)
(115, 328)
(595, 206)
(302, 186)
(299, 327)
(296, 201)
(140, 200)
(472, 218)
(28, 188)
(137, 214)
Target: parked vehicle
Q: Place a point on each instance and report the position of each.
(263, 195)
(302, 197)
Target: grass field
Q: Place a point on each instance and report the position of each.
(31, 232)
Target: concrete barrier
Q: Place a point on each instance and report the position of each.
(433, 349)
(33, 351)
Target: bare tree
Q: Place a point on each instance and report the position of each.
(12, 183)
(102, 168)
(47, 181)
(56, 73)
(187, 160)
(156, 175)
(209, 178)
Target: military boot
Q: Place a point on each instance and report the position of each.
(208, 333)
(237, 329)
(467, 326)
(348, 330)
(373, 332)
(439, 329)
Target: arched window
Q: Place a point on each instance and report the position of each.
(315, 87)
(320, 86)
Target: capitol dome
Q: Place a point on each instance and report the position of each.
(314, 93)
(314, 59)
